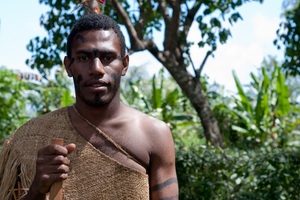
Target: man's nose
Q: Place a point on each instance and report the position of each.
(97, 67)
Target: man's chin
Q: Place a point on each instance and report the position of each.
(97, 100)
(97, 103)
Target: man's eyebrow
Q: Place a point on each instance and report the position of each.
(107, 51)
(95, 51)
(81, 51)
(84, 51)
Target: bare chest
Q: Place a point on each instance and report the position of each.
(122, 142)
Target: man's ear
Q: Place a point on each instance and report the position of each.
(67, 63)
(125, 62)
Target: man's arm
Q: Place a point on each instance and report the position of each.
(163, 178)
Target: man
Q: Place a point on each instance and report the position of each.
(113, 151)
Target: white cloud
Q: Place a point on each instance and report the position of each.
(146, 60)
(264, 28)
(36, 29)
(242, 59)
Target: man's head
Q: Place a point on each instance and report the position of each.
(96, 22)
(96, 60)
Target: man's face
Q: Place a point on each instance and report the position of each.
(96, 66)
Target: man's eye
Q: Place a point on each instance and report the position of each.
(83, 58)
(108, 58)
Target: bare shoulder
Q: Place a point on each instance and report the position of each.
(147, 122)
(154, 130)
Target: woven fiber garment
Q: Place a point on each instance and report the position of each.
(93, 175)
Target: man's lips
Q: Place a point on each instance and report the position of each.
(96, 84)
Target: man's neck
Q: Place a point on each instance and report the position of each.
(97, 115)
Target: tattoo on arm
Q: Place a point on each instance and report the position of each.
(164, 184)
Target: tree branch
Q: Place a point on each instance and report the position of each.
(173, 3)
(136, 42)
(148, 13)
(164, 11)
(197, 75)
(172, 24)
(140, 23)
(143, 17)
(190, 17)
(203, 63)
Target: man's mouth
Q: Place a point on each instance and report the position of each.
(96, 85)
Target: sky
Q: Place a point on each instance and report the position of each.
(251, 41)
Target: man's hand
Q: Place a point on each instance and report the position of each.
(52, 165)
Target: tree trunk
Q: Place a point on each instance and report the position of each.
(191, 86)
(193, 90)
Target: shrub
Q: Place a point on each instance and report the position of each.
(208, 173)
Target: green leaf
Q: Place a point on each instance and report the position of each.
(283, 95)
(262, 102)
(244, 99)
(66, 99)
(240, 129)
(157, 90)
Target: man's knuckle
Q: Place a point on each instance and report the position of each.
(63, 169)
(64, 176)
(66, 169)
(45, 177)
(66, 161)
(60, 158)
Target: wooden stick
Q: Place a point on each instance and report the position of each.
(19, 190)
(56, 188)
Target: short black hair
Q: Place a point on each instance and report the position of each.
(96, 22)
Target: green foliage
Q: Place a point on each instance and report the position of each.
(46, 51)
(53, 94)
(266, 172)
(262, 174)
(289, 35)
(12, 101)
(262, 115)
(23, 99)
(269, 171)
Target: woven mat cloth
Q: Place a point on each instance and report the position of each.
(92, 176)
